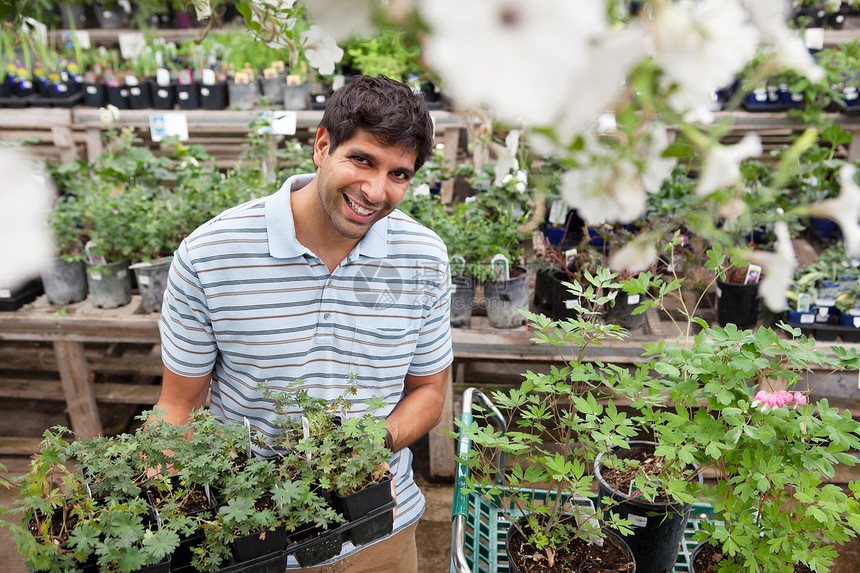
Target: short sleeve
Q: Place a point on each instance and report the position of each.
(433, 352)
(188, 346)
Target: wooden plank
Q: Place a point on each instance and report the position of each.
(441, 446)
(80, 399)
(16, 446)
(41, 389)
(35, 117)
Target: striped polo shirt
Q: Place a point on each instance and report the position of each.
(248, 303)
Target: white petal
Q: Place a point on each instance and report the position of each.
(635, 257)
(722, 164)
(778, 269)
(343, 18)
(25, 206)
(844, 209)
(321, 50)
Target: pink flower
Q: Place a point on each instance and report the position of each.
(116, 212)
(800, 399)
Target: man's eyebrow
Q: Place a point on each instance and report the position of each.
(410, 171)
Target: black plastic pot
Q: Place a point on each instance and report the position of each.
(152, 281)
(140, 96)
(117, 96)
(360, 503)
(616, 539)
(109, 18)
(658, 528)
(372, 529)
(249, 547)
(95, 95)
(214, 96)
(622, 313)
(188, 96)
(543, 289)
(13, 299)
(506, 298)
(72, 15)
(163, 97)
(737, 304)
(462, 300)
(318, 545)
(163, 567)
(563, 302)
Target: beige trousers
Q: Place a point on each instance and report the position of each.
(398, 554)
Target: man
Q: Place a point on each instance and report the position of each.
(320, 280)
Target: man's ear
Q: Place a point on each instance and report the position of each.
(322, 141)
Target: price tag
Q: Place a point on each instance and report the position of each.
(167, 124)
(807, 318)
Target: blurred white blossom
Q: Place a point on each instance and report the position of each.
(635, 257)
(657, 167)
(204, 10)
(790, 51)
(507, 157)
(108, 115)
(844, 209)
(527, 61)
(610, 192)
(700, 46)
(722, 164)
(321, 50)
(343, 18)
(25, 205)
(777, 269)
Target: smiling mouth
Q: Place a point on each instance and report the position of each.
(363, 211)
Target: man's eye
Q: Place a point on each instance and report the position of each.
(402, 175)
(359, 159)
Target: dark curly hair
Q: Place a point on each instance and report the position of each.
(387, 109)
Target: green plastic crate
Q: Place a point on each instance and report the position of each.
(486, 527)
(479, 527)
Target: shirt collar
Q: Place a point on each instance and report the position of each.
(281, 229)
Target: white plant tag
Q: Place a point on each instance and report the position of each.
(633, 299)
(248, 427)
(814, 38)
(583, 509)
(5, 293)
(571, 303)
(637, 520)
(144, 280)
(162, 77)
(95, 276)
(166, 124)
(807, 318)
(306, 428)
(208, 77)
(857, 322)
(502, 267)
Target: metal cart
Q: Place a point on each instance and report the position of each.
(479, 527)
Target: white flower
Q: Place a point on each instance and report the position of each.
(321, 50)
(24, 209)
(108, 115)
(605, 192)
(501, 53)
(657, 167)
(204, 10)
(700, 46)
(277, 5)
(507, 157)
(722, 164)
(844, 209)
(343, 18)
(634, 257)
(778, 269)
(791, 52)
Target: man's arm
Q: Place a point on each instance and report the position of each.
(180, 395)
(419, 410)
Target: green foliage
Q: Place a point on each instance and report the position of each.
(390, 53)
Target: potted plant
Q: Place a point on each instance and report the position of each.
(743, 408)
(542, 487)
(64, 278)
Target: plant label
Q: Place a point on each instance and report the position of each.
(131, 45)
(807, 318)
(458, 265)
(144, 280)
(583, 509)
(814, 38)
(637, 520)
(167, 124)
(632, 299)
(753, 274)
(501, 267)
(804, 303)
(557, 212)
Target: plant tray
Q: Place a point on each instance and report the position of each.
(486, 527)
(274, 563)
(372, 526)
(11, 300)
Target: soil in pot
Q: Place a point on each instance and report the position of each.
(706, 557)
(658, 527)
(259, 543)
(578, 555)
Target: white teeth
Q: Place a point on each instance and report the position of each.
(359, 210)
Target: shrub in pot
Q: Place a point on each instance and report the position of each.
(771, 450)
(64, 278)
(557, 429)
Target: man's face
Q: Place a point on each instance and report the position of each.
(361, 181)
